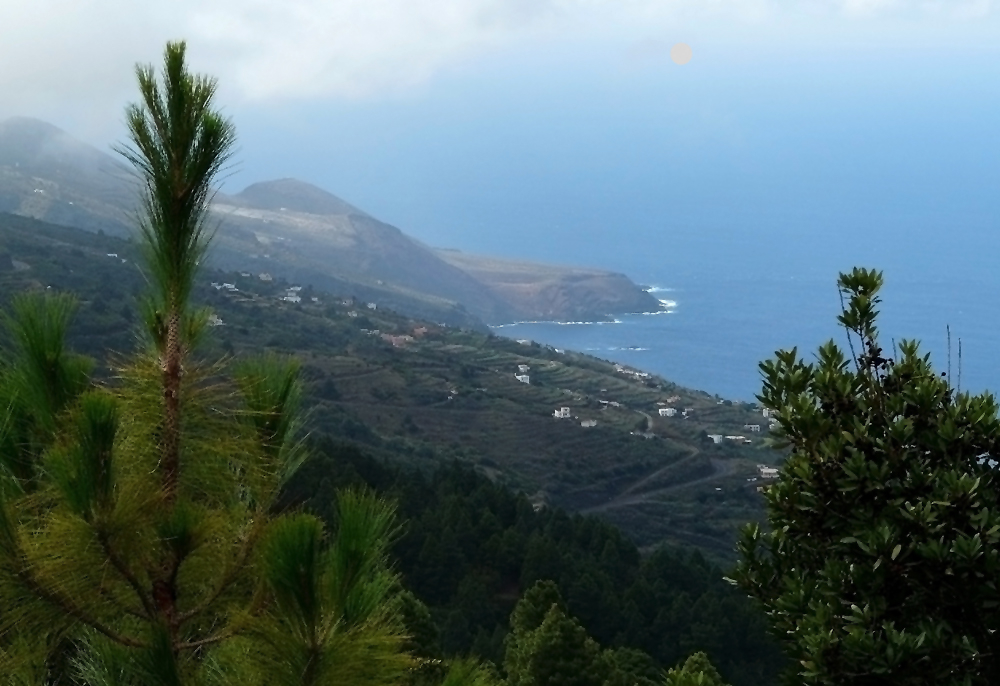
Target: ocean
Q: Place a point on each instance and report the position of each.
(712, 332)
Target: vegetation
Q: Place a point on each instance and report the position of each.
(164, 520)
(139, 543)
(470, 549)
(447, 394)
(881, 561)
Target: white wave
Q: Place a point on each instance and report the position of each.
(659, 289)
(668, 303)
(555, 322)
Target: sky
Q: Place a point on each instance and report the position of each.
(561, 129)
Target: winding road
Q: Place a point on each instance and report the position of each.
(720, 468)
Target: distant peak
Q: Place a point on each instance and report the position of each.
(30, 126)
(294, 195)
(38, 144)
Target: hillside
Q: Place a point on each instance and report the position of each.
(296, 231)
(548, 292)
(420, 393)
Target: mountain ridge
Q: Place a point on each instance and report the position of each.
(290, 228)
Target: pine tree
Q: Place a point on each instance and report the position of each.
(139, 542)
(556, 653)
(881, 560)
(697, 670)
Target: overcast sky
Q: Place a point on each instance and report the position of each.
(72, 58)
(484, 124)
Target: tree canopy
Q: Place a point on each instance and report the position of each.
(880, 565)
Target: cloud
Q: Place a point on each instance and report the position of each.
(78, 54)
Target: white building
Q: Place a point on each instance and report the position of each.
(215, 320)
(755, 428)
(372, 306)
(766, 472)
(561, 413)
(716, 438)
(523, 378)
(265, 277)
(523, 368)
(587, 423)
(667, 412)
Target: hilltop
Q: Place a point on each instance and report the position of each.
(413, 391)
(296, 231)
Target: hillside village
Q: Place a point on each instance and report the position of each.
(663, 462)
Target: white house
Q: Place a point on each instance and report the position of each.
(716, 438)
(372, 306)
(755, 428)
(265, 277)
(523, 368)
(587, 423)
(667, 412)
(561, 413)
(523, 378)
(766, 472)
(215, 320)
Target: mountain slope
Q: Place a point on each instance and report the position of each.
(412, 391)
(294, 230)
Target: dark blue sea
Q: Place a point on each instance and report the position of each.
(713, 331)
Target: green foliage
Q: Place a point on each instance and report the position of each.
(179, 144)
(470, 549)
(884, 545)
(469, 673)
(534, 606)
(548, 646)
(697, 670)
(140, 538)
(39, 378)
(557, 651)
(629, 667)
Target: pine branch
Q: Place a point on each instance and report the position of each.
(58, 600)
(127, 575)
(230, 577)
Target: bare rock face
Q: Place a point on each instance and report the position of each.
(299, 232)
